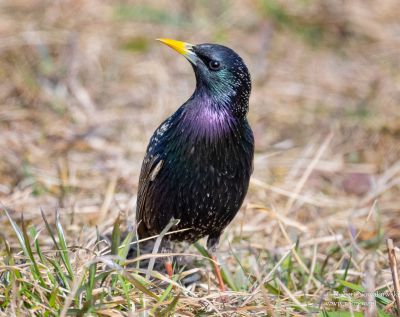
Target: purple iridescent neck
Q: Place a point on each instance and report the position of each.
(204, 117)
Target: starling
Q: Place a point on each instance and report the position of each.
(198, 162)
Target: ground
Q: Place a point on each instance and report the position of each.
(83, 85)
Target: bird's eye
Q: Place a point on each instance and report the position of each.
(214, 65)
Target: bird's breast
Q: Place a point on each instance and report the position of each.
(206, 166)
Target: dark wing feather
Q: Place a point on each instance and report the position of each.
(150, 168)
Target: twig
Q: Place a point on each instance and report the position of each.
(395, 275)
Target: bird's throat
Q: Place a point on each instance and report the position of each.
(203, 118)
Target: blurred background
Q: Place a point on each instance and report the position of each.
(83, 85)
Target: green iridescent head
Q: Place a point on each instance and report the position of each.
(220, 72)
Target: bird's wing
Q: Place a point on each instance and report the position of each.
(151, 167)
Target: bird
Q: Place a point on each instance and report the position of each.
(198, 162)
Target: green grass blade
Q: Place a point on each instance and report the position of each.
(63, 245)
(124, 248)
(351, 286)
(60, 276)
(24, 242)
(381, 299)
(226, 275)
(18, 232)
(165, 294)
(38, 250)
(135, 282)
(169, 310)
(49, 229)
(347, 267)
(90, 283)
(53, 298)
(57, 246)
(126, 287)
(116, 237)
(35, 269)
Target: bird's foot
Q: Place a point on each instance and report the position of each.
(223, 299)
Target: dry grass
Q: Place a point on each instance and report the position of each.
(83, 86)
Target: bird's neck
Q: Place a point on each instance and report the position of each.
(217, 100)
(205, 118)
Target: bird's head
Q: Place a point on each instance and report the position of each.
(220, 73)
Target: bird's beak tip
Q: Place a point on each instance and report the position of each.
(179, 46)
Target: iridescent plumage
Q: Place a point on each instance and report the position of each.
(198, 162)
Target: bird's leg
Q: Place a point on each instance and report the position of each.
(167, 248)
(218, 274)
(168, 266)
(212, 243)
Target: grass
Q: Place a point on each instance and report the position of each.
(82, 88)
(61, 280)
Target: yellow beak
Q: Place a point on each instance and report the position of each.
(181, 47)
